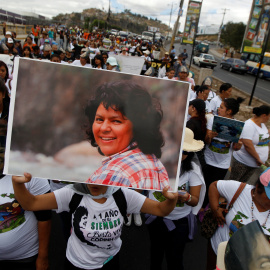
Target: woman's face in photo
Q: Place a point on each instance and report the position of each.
(112, 131)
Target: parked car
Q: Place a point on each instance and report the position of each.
(204, 60)
(233, 64)
(114, 32)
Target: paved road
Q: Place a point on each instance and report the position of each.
(243, 82)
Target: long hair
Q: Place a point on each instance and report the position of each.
(136, 104)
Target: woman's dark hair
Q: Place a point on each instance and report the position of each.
(186, 163)
(28, 48)
(225, 87)
(135, 103)
(104, 53)
(55, 55)
(264, 109)
(3, 64)
(99, 57)
(200, 89)
(233, 104)
(259, 187)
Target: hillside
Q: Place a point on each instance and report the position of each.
(126, 20)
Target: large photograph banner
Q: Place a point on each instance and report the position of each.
(55, 115)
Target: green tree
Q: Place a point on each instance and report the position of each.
(232, 34)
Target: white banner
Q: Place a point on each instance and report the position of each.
(130, 64)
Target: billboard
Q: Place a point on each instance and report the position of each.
(257, 27)
(192, 20)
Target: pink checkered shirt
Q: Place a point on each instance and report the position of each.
(131, 168)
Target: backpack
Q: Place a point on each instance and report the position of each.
(118, 196)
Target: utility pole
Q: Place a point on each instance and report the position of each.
(220, 28)
(176, 23)
(170, 20)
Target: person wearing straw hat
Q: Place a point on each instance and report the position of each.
(170, 234)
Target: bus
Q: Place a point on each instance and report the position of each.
(252, 61)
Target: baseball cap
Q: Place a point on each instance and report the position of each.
(10, 40)
(112, 61)
(265, 180)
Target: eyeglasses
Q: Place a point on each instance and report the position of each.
(104, 57)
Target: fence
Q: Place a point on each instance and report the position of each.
(19, 29)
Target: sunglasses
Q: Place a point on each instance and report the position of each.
(185, 153)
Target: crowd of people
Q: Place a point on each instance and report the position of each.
(93, 215)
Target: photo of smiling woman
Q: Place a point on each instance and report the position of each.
(124, 123)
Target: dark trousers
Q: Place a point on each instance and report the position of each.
(212, 174)
(113, 264)
(168, 243)
(24, 264)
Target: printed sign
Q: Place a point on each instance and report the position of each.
(257, 27)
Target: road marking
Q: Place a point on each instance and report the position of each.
(249, 82)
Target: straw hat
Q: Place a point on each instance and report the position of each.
(191, 145)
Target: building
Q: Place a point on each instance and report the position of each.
(208, 29)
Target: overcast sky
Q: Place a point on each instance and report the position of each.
(212, 10)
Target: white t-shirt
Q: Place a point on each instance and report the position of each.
(207, 107)
(188, 179)
(260, 139)
(100, 225)
(18, 228)
(93, 52)
(211, 95)
(219, 152)
(78, 63)
(240, 214)
(148, 59)
(215, 104)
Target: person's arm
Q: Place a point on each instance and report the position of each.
(209, 136)
(248, 144)
(27, 200)
(191, 198)
(237, 146)
(44, 231)
(214, 195)
(160, 208)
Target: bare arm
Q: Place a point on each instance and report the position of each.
(44, 231)
(251, 150)
(214, 203)
(209, 136)
(27, 200)
(195, 195)
(160, 208)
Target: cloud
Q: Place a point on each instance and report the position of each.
(212, 10)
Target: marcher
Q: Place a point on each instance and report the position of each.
(255, 149)
(225, 91)
(253, 203)
(170, 234)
